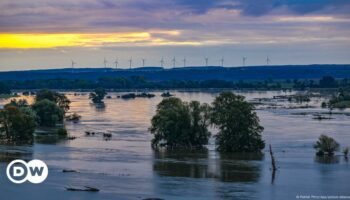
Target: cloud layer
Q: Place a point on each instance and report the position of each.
(195, 23)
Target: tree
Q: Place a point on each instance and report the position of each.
(48, 112)
(180, 124)
(4, 89)
(98, 95)
(328, 82)
(60, 99)
(239, 128)
(326, 145)
(16, 124)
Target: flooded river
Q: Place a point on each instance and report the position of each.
(125, 167)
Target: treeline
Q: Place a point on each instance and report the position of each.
(139, 82)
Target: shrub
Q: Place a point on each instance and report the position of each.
(98, 95)
(326, 145)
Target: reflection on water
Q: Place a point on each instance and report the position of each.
(325, 159)
(9, 153)
(198, 164)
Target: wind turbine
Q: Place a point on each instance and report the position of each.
(130, 63)
(184, 60)
(116, 63)
(162, 62)
(143, 62)
(206, 61)
(244, 60)
(73, 63)
(105, 63)
(222, 62)
(174, 62)
(268, 60)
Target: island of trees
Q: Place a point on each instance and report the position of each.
(179, 124)
(19, 120)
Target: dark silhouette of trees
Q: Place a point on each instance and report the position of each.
(16, 124)
(180, 124)
(49, 113)
(60, 99)
(238, 124)
(98, 95)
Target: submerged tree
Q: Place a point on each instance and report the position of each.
(60, 99)
(326, 145)
(16, 125)
(98, 95)
(180, 124)
(48, 112)
(239, 128)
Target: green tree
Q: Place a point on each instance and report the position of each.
(4, 88)
(180, 124)
(98, 95)
(48, 112)
(60, 99)
(326, 145)
(239, 128)
(16, 125)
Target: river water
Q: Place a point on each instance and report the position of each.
(125, 167)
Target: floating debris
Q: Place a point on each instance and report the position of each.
(85, 189)
(69, 171)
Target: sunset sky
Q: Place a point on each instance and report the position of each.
(37, 34)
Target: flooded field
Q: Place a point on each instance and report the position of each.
(125, 167)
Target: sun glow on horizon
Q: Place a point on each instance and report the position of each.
(52, 40)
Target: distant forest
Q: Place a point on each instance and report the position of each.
(258, 77)
(138, 82)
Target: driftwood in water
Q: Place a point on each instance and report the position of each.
(68, 170)
(85, 189)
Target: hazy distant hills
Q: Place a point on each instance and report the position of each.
(189, 73)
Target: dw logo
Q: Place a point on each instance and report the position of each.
(35, 171)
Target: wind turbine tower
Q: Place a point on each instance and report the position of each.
(222, 62)
(105, 63)
(206, 61)
(184, 60)
(73, 63)
(174, 62)
(244, 61)
(143, 62)
(268, 60)
(130, 63)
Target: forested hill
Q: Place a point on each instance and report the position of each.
(188, 73)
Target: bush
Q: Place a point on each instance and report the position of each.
(239, 128)
(98, 95)
(180, 124)
(48, 112)
(326, 145)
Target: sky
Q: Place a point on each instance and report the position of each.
(39, 34)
